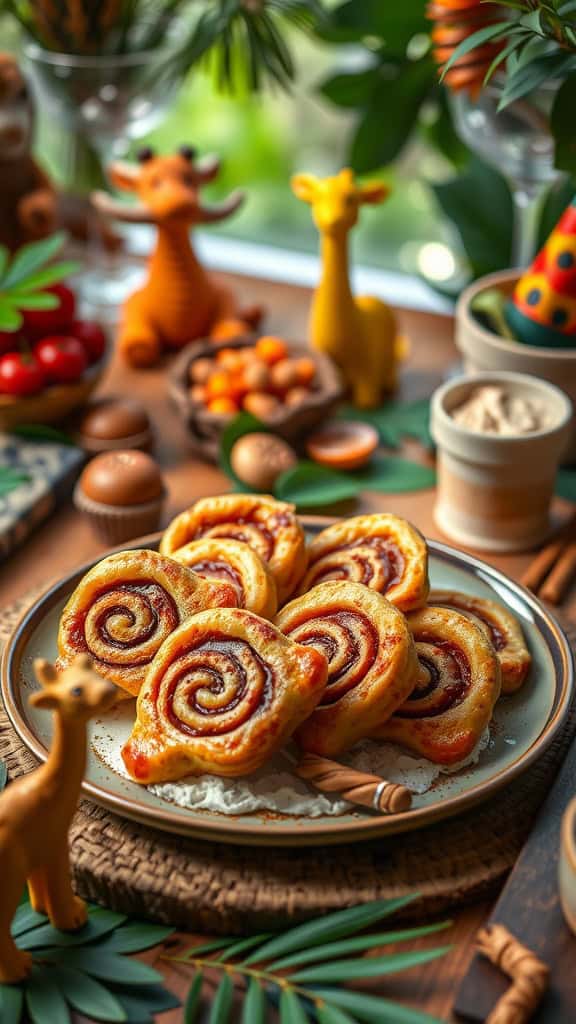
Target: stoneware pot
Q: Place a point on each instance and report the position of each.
(567, 865)
(494, 491)
(483, 350)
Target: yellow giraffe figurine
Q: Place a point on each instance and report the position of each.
(360, 334)
(36, 811)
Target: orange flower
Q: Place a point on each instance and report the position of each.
(453, 22)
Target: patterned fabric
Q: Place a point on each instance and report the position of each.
(51, 468)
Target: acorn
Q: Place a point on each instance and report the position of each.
(259, 459)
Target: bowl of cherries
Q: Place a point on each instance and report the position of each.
(50, 364)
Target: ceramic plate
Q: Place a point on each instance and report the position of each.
(525, 724)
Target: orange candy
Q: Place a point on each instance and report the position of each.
(227, 330)
(200, 370)
(223, 406)
(221, 385)
(271, 349)
(305, 369)
(260, 404)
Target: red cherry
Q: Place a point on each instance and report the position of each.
(92, 337)
(8, 341)
(62, 359)
(20, 374)
(39, 322)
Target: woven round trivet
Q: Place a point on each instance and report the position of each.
(233, 889)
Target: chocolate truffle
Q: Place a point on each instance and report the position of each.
(114, 423)
(122, 493)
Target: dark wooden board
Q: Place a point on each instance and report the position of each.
(529, 906)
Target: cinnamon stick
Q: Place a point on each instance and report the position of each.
(357, 787)
(530, 976)
(540, 566)
(561, 576)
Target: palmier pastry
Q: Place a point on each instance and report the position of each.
(372, 664)
(237, 564)
(500, 627)
(126, 606)
(381, 551)
(223, 693)
(448, 711)
(270, 527)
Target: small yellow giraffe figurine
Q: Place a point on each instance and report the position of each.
(360, 334)
(36, 811)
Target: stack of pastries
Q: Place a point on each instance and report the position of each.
(236, 636)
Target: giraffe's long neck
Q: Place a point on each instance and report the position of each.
(174, 262)
(66, 763)
(333, 310)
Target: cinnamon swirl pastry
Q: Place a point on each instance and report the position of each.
(382, 551)
(372, 664)
(223, 693)
(126, 606)
(237, 564)
(448, 711)
(500, 627)
(268, 526)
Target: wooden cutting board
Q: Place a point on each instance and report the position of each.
(529, 906)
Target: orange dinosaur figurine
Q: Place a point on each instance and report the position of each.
(179, 301)
(36, 811)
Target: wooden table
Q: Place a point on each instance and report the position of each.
(66, 540)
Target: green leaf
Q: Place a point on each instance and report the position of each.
(207, 947)
(243, 945)
(566, 484)
(4, 257)
(105, 966)
(479, 38)
(3, 775)
(564, 137)
(291, 1009)
(368, 966)
(88, 996)
(396, 420)
(26, 918)
(134, 938)
(327, 1014)
(44, 1000)
(555, 201)
(35, 300)
(222, 1003)
(530, 77)
(254, 1009)
(11, 479)
(438, 129)
(50, 275)
(358, 945)
(392, 475)
(479, 203)
(309, 485)
(148, 1000)
(192, 1004)
(394, 23)
(242, 424)
(11, 1003)
(330, 927)
(30, 258)
(372, 1009)
(350, 89)
(10, 318)
(41, 432)
(96, 926)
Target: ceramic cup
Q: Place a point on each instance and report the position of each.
(494, 492)
(482, 350)
(567, 865)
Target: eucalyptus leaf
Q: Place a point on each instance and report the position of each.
(327, 1014)
(358, 945)
(31, 257)
(44, 1000)
(135, 937)
(373, 1009)
(254, 1009)
(87, 995)
(3, 775)
(367, 967)
(11, 1003)
(222, 1003)
(192, 1004)
(105, 966)
(243, 945)
(95, 927)
(208, 947)
(329, 928)
(291, 1009)
(309, 485)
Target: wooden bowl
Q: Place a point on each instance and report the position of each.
(291, 423)
(52, 404)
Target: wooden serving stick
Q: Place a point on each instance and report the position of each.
(361, 788)
(36, 811)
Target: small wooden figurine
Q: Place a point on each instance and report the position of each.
(36, 811)
(360, 333)
(179, 301)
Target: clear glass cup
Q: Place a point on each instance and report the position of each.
(93, 108)
(518, 142)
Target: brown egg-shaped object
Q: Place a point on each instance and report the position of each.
(295, 396)
(200, 370)
(114, 423)
(259, 459)
(284, 375)
(260, 404)
(256, 375)
(122, 478)
(343, 444)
